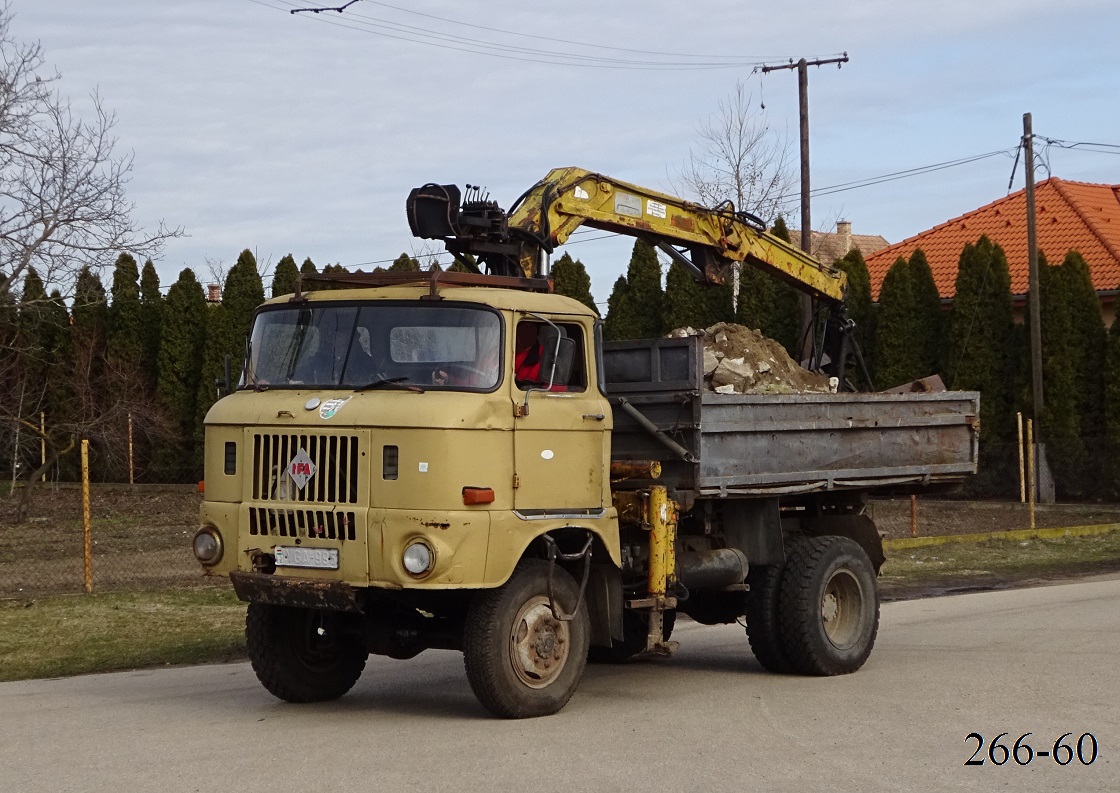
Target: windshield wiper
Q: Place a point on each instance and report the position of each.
(250, 372)
(395, 382)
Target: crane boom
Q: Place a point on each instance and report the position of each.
(706, 240)
(568, 198)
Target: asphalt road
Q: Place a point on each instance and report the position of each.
(1043, 660)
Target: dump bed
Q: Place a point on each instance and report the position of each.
(733, 445)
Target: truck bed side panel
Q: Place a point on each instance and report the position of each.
(775, 444)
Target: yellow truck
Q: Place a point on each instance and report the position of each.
(459, 461)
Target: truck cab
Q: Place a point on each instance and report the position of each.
(369, 421)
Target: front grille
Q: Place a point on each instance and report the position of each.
(313, 523)
(335, 457)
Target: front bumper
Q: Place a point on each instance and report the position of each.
(279, 590)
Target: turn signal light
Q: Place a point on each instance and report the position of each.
(201, 486)
(478, 495)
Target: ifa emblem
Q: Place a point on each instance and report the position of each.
(301, 469)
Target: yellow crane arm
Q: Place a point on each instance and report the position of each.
(707, 241)
(568, 198)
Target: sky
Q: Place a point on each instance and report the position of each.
(252, 127)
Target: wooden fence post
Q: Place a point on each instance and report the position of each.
(88, 550)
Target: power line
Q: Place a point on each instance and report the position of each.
(606, 236)
(565, 41)
(417, 35)
(1014, 166)
(920, 171)
(1095, 148)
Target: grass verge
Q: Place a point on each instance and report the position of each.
(996, 564)
(77, 634)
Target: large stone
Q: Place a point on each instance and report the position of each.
(735, 372)
(711, 361)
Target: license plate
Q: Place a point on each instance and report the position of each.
(320, 558)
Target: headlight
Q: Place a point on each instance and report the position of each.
(417, 558)
(207, 545)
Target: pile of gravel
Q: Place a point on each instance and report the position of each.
(738, 360)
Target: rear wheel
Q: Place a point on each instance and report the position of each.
(303, 655)
(521, 660)
(764, 618)
(828, 606)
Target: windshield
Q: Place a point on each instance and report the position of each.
(355, 346)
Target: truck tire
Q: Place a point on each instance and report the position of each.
(764, 618)
(828, 606)
(521, 661)
(635, 630)
(302, 655)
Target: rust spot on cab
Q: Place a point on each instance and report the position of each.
(435, 524)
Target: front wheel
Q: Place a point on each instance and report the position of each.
(302, 655)
(521, 661)
(829, 606)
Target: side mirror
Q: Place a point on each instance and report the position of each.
(245, 376)
(557, 354)
(222, 384)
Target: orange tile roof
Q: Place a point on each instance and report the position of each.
(1071, 216)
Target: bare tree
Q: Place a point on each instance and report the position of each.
(738, 158)
(62, 187)
(217, 269)
(427, 254)
(63, 207)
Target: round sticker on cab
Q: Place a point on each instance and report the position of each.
(547, 454)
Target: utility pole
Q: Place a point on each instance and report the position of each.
(802, 66)
(1038, 449)
(1032, 263)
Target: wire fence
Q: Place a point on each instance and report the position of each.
(1083, 470)
(933, 517)
(140, 535)
(140, 538)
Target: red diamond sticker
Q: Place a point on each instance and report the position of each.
(301, 469)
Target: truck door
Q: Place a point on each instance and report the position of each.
(560, 444)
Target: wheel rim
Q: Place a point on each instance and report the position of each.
(842, 609)
(538, 643)
(314, 643)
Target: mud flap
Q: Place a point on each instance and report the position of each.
(604, 604)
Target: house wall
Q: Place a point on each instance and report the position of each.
(1108, 310)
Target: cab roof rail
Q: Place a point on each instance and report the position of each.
(434, 278)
